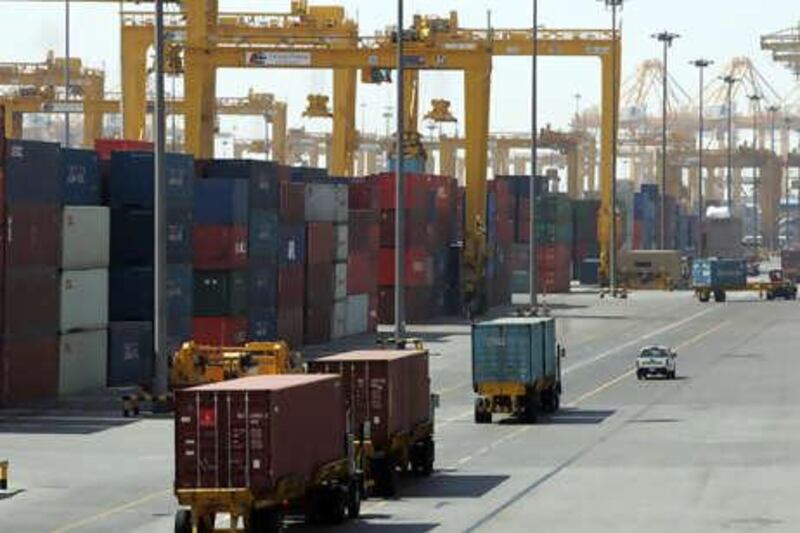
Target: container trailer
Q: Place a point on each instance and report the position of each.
(257, 447)
(718, 277)
(388, 398)
(516, 367)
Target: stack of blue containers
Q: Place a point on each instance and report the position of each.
(131, 197)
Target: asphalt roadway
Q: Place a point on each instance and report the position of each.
(718, 449)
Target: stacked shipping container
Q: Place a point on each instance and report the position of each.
(585, 245)
(362, 258)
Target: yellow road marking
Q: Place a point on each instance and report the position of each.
(111, 511)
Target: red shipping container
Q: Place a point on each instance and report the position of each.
(363, 231)
(363, 194)
(319, 282)
(104, 147)
(31, 302)
(28, 369)
(555, 255)
(284, 173)
(362, 273)
(220, 331)
(417, 189)
(389, 389)
(219, 247)
(505, 230)
(418, 267)
(295, 425)
(33, 236)
(320, 243)
(291, 286)
(290, 325)
(317, 325)
(293, 203)
(638, 233)
(419, 230)
(554, 280)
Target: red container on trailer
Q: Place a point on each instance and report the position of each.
(389, 389)
(104, 147)
(28, 369)
(220, 331)
(418, 267)
(252, 432)
(219, 247)
(320, 242)
(33, 236)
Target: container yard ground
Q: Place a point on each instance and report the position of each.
(718, 449)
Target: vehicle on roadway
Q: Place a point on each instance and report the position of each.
(656, 361)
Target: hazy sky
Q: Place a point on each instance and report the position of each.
(717, 29)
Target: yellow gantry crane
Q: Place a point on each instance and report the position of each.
(321, 37)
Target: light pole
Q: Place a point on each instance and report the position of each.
(787, 122)
(666, 38)
(577, 97)
(612, 249)
(66, 74)
(534, 163)
(399, 178)
(730, 81)
(755, 99)
(701, 65)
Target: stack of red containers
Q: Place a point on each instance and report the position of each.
(362, 259)
(319, 282)
(30, 253)
(430, 222)
(500, 240)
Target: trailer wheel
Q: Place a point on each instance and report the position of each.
(385, 477)
(183, 521)
(354, 500)
(335, 505)
(265, 520)
(703, 296)
(422, 458)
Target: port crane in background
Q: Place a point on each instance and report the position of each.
(317, 37)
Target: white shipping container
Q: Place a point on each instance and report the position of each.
(341, 233)
(84, 299)
(85, 238)
(326, 202)
(340, 281)
(82, 361)
(339, 319)
(357, 314)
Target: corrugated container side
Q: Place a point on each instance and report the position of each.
(339, 319)
(517, 351)
(130, 353)
(290, 325)
(263, 234)
(82, 361)
(342, 241)
(221, 201)
(84, 299)
(31, 302)
(80, 177)
(357, 314)
(220, 293)
(28, 369)
(340, 281)
(86, 237)
(220, 331)
(33, 235)
(130, 294)
(32, 173)
(319, 243)
(326, 202)
(220, 247)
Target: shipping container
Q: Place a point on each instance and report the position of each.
(364, 232)
(31, 302)
(220, 247)
(291, 286)
(132, 181)
(220, 293)
(357, 314)
(105, 147)
(82, 361)
(340, 281)
(362, 273)
(130, 294)
(86, 237)
(32, 173)
(80, 177)
(28, 369)
(719, 274)
(221, 201)
(263, 234)
(292, 244)
(388, 389)
(319, 243)
(32, 236)
(180, 301)
(262, 285)
(261, 178)
(130, 353)
(339, 319)
(326, 202)
(290, 324)
(262, 324)
(317, 323)
(296, 424)
(293, 203)
(220, 331)
(342, 242)
(132, 236)
(84, 299)
(418, 267)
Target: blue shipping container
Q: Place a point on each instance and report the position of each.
(179, 289)
(133, 184)
(132, 236)
(514, 350)
(32, 173)
(716, 273)
(130, 353)
(262, 324)
(220, 201)
(292, 245)
(262, 234)
(130, 293)
(262, 177)
(80, 177)
(262, 285)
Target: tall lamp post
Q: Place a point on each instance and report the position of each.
(615, 5)
(666, 38)
(66, 73)
(399, 220)
(701, 65)
(534, 160)
(755, 99)
(730, 81)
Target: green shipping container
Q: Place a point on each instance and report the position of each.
(220, 293)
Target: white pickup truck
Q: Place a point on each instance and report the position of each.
(656, 361)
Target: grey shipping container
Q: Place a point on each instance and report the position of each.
(339, 319)
(341, 234)
(84, 299)
(295, 425)
(85, 239)
(326, 202)
(357, 314)
(340, 281)
(723, 237)
(514, 350)
(82, 361)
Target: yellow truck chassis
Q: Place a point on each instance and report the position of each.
(516, 399)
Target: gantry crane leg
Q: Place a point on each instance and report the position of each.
(607, 158)
(344, 121)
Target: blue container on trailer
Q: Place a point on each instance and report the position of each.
(514, 350)
(130, 293)
(716, 273)
(262, 178)
(80, 177)
(292, 245)
(130, 353)
(262, 324)
(33, 173)
(133, 183)
(262, 234)
(220, 201)
(262, 285)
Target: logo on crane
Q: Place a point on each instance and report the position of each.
(278, 59)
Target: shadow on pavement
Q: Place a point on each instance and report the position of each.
(453, 486)
(55, 424)
(364, 525)
(570, 416)
(594, 317)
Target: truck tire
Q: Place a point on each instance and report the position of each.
(482, 416)
(385, 477)
(703, 296)
(354, 500)
(719, 296)
(422, 457)
(183, 521)
(265, 520)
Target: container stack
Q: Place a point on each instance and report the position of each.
(325, 300)
(131, 195)
(30, 253)
(85, 245)
(645, 216)
(585, 244)
(362, 258)
(499, 239)
(430, 228)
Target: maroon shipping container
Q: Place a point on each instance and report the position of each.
(320, 243)
(31, 299)
(317, 326)
(220, 331)
(362, 270)
(290, 325)
(363, 194)
(104, 147)
(284, 173)
(219, 247)
(28, 369)
(293, 203)
(363, 231)
(252, 432)
(417, 189)
(33, 236)
(390, 389)
(418, 267)
(291, 285)
(420, 231)
(319, 284)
